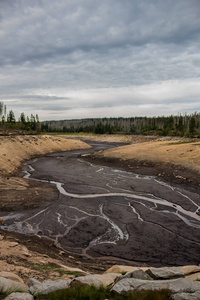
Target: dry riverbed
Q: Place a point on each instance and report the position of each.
(176, 160)
(19, 253)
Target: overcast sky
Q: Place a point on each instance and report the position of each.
(69, 59)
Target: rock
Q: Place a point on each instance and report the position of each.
(13, 244)
(1, 221)
(48, 286)
(32, 282)
(86, 280)
(137, 274)
(186, 296)
(11, 276)
(7, 285)
(19, 296)
(195, 276)
(24, 251)
(78, 270)
(189, 269)
(165, 273)
(106, 279)
(121, 269)
(180, 285)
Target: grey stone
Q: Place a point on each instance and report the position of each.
(32, 282)
(195, 276)
(11, 276)
(106, 279)
(138, 274)
(19, 296)
(186, 296)
(165, 273)
(180, 285)
(48, 286)
(86, 280)
(8, 286)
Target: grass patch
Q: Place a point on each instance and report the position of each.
(51, 267)
(93, 293)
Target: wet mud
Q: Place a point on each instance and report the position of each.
(106, 212)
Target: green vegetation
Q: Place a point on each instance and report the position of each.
(51, 267)
(181, 125)
(8, 121)
(93, 293)
(187, 125)
(123, 273)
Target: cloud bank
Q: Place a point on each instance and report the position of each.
(77, 59)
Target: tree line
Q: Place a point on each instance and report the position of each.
(180, 125)
(24, 123)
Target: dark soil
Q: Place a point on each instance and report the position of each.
(177, 175)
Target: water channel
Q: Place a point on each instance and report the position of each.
(110, 213)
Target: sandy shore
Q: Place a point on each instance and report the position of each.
(18, 192)
(180, 152)
(14, 150)
(142, 155)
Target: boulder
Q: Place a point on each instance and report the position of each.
(189, 269)
(137, 274)
(11, 276)
(186, 296)
(19, 296)
(195, 276)
(8, 286)
(165, 273)
(48, 286)
(122, 269)
(86, 280)
(180, 285)
(32, 281)
(106, 279)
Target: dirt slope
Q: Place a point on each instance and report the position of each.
(182, 153)
(16, 149)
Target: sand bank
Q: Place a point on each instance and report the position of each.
(14, 150)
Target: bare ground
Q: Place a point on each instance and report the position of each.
(176, 160)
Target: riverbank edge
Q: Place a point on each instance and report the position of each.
(15, 150)
(139, 167)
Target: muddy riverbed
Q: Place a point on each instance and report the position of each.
(109, 213)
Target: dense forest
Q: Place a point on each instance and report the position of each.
(186, 125)
(180, 125)
(24, 123)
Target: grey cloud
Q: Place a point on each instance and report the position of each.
(63, 46)
(46, 31)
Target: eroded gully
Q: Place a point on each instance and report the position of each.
(109, 213)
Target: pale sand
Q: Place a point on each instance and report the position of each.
(173, 152)
(14, 150)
